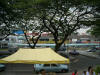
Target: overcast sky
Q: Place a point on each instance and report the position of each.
(82, 30)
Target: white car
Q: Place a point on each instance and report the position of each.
(2, 67)
(51, 67)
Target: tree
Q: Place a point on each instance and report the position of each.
(58, 16)
(26, 21)
(95, 29)
(64, 17)
(6, 18)
(19, 15)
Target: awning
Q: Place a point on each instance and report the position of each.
(35, 56)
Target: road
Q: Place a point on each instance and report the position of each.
(77, 62)
(82, 62)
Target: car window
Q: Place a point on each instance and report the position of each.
(54, 65)
(46, 65)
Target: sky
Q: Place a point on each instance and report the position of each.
(83, 31)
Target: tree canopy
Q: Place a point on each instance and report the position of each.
(95, 29)
(60, 17)
(66, 16)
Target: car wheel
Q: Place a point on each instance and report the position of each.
(64, 70)
(2, 70)
(42, 70)
(36, 72)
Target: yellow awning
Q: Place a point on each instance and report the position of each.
(35, 56)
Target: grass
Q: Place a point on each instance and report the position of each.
(3, 49)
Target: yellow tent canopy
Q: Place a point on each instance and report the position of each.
(35, 56)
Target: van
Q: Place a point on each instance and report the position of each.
(51, 67)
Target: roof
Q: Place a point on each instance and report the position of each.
(18, 32)
(35, 56)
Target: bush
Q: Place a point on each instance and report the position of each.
(97, 69)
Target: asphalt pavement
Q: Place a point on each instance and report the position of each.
(89, 54)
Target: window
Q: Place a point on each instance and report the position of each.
(46, 65)
(55, 65)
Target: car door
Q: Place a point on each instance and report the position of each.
(55, 68)
(47, 67)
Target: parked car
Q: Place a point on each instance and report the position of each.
(2, 67)
(92, 49)
(51, 67)
(12, 50)
(74, 52)
(2, 56)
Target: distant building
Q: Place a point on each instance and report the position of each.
(75, 38)
(11, 40)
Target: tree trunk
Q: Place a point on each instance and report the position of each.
(58, 45)
(28, 41)
(35, 40)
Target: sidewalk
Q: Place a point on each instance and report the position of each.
(90, 54)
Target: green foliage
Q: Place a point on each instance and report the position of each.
(97, 69)
(41, 3)
(95, 29)
(59, 16)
